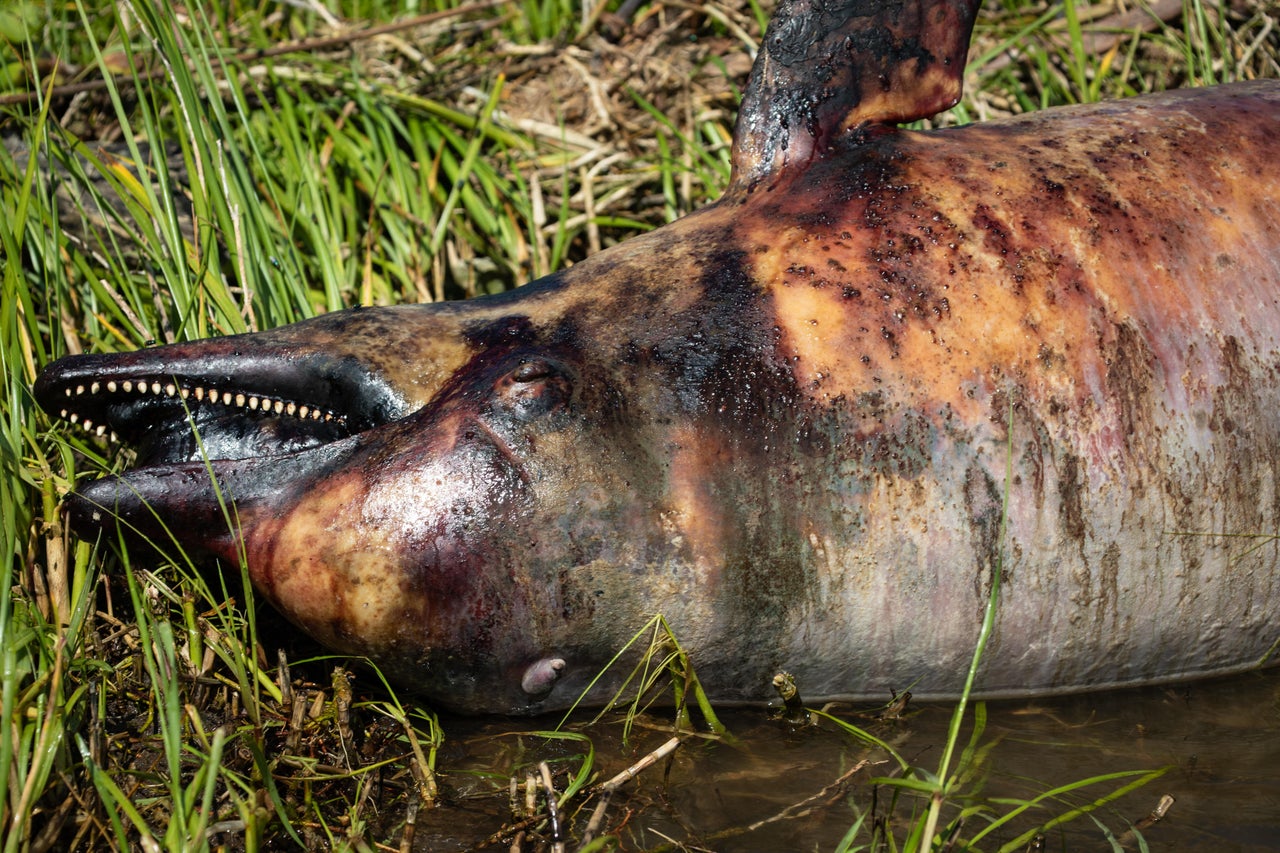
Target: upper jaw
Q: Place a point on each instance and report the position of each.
(221, 399)
(240, 418)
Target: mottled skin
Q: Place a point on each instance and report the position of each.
(783, 423)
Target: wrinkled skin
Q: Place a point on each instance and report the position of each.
(783, 422)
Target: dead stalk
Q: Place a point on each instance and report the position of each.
(608, 788)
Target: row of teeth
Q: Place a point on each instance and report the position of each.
(170, 389)
(88, 426)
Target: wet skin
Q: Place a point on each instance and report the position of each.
(783, 422)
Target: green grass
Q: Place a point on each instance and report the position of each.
(397, 169)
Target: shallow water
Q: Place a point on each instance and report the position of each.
(1219, 739)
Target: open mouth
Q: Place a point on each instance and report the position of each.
(175, 407)
(239, 418)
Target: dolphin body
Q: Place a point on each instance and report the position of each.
(810, 424)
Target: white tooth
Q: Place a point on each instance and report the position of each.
(74, 418)
(303, 412)
(253, 402)
(63, 413)
(87, 424)
(279, 407)
(213, 396)
(79, 390)
(291, 409)
(184, 393)
(199, 393)
(170, 389)
(240, 400)
(328, 417)
(155, 387)
(127, 385)
(102, 430)
(68, 390)
(94, 388)
(111, 386)
(316, 414)
(114, 437)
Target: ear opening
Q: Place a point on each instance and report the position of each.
(830, 66)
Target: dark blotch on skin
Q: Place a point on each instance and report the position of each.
(1070, 490)
(504, 332)
(984, 504)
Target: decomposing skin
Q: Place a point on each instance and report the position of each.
(783, 421)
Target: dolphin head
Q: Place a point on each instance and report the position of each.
(446, 544)
(472, 495)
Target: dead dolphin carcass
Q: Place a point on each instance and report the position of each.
(783, 421)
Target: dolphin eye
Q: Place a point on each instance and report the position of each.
(534, 387)
(530, 371)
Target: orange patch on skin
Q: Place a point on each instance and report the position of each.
(847, 333)
(325, 571)
(692, 509)
(957, 276)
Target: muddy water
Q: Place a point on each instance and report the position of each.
(1220, 741)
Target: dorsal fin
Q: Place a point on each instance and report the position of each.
(830, 65)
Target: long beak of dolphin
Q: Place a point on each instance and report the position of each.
(248, 418)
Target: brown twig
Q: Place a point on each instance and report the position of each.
(553, 809)
(410, 825)
(284, 679)
(1157, 814)
(805, 806)
(1104, 34)
(823, 799)
(423, 774)
(608, 788)
(304, 46)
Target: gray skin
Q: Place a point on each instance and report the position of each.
(810, 425)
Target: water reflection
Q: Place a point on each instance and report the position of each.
(775, 787)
